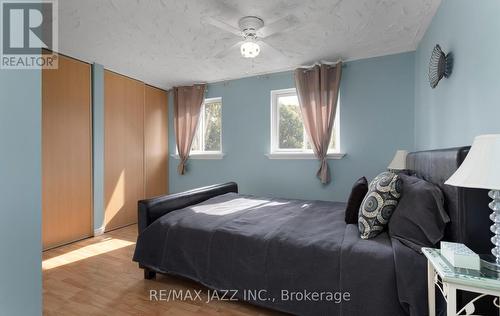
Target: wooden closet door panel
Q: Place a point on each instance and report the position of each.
(156, 142)
(123, 149)
(66, 153)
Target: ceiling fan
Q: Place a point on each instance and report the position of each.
(252, 30)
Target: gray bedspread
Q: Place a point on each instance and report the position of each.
(246, 243)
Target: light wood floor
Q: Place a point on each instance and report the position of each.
(96, 276)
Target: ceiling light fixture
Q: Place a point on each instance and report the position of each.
(250, 49)
(253, 31)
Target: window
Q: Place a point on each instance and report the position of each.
(288, 135)
(207, 142)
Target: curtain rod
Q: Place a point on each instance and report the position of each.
(324, 62)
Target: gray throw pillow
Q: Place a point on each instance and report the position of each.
(379, 204)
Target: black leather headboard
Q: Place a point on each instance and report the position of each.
(468, 208)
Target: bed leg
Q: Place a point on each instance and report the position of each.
(149, 274)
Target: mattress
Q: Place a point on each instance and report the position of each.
(286, 251)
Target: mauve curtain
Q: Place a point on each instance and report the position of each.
(187, 105)
(318, 92)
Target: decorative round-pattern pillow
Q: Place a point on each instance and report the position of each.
(379, 204)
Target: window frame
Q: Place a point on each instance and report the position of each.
(201, 127)
(205, 154)
(289, 153)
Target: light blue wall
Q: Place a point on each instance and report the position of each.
(468, 103)
(377, 108)
(20, 192)
(98, 143)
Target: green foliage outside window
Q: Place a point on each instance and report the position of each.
(291, 130)
(213, 126)
(208, 133)
(292, 134)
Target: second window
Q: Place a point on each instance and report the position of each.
(288, 134)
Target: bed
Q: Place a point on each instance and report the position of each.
(278, 253)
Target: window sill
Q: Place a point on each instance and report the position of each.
(206, 156)
(284, 155)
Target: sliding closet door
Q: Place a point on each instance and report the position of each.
(156, 142)
(66, 153)
(123, 149)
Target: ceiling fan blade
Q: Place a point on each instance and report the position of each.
(279, 26)
(228, 50)
(265, 48)
(222, 25)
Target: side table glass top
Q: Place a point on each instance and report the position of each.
(483, 279)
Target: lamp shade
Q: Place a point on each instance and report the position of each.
(481, 167)
(399, 161)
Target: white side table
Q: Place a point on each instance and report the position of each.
(449, 280)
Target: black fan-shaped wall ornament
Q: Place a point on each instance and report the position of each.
(440, 66)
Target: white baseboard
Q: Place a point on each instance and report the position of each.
(99, 231)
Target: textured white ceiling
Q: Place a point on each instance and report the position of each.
(166, 42)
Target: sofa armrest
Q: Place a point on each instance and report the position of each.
(151, 209)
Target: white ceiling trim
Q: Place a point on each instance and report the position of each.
(262, 74)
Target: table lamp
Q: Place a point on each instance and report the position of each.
(481, 170)
(399, 161)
